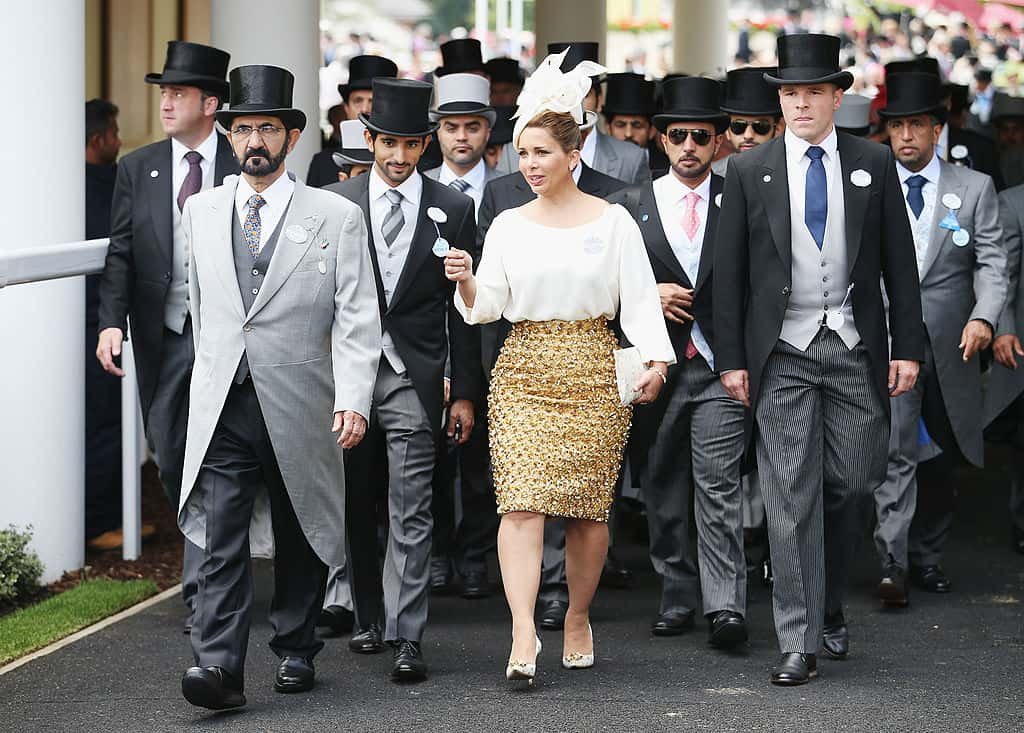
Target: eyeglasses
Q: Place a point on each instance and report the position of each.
(761, 127)
(678, 135)
(266, 131)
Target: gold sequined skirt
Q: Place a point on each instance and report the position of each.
(556, 426)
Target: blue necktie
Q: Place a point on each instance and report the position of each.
(914, 196)
(816, 196)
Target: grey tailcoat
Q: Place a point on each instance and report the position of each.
(312, 339)
(1004, 385)
(489, 175)
(620, 159)
(959, 284)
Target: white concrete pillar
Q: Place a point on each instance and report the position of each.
(42, 326)
(285, 35)
(700, 37)
(556, 21)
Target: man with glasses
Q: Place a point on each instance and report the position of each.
(753, 108)
(689, 443)
(145, 278)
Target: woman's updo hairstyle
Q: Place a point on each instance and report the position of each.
(561, 126)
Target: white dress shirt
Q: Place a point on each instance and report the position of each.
(392, 259)
(669, 195)
(797, 164)
(277, 196)
(921, 226)
(476, 178)
(589, 149)
(942, 146)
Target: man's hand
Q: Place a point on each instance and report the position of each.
(676, 302)
(109, 348)
(737, 384)
(352, 426)
(902, 376)
(976, 337)
(447, 391)
(461, 413)
(1006, 348)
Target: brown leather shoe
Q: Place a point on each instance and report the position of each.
(114, 539)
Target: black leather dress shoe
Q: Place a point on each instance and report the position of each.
(369, 640)
(1017, 540)
(409, 665)
(726, 629)
(794, 669)
(552, 616)
(335, 621)
(187, 628)
(892, 589)
(931, 578)
(672, 623)
(213, 688)
(475, 585)
(835, 637)
(440, 574)
(614, 575)
(294, 674)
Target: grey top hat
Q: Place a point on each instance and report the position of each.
(854, 115)
(353, 150)
(463, 94)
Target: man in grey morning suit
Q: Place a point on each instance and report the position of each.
(287, 337)
(810, 224)
(954, 216)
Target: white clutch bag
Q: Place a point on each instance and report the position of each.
(628, 369)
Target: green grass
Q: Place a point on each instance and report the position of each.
(34, 627)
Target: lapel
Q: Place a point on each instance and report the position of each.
(707, 254)
(287, 253)
(225, 163)
(158, 189)
(855, 199)
(773, 182)
(222, 209)
(653, 231)
(363, 200)
(423, 237)
(949, 182)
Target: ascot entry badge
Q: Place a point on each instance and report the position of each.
(296, 234)
(441, 245)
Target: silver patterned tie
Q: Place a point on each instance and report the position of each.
(459, 185)
(394, 221)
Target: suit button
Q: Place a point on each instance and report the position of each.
(826, 293)
(167, 276)
(785, 290)
(255, 272)
(255, 291)
(247, 329)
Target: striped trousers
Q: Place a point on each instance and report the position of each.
(822, 437)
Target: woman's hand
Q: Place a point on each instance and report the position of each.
(650, 383)
(458, 265)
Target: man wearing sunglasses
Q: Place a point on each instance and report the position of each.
(689, 444)
(753, 108)
(811, 223)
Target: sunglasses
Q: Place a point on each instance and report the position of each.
(678, 135)
(761, 127)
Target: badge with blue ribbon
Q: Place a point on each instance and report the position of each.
(441, 245)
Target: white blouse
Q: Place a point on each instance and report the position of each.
(532, 272)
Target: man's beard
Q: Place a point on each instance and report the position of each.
(691, 172)
(267, 165)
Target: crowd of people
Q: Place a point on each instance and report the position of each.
(485, 319)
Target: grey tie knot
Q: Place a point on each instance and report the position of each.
(394, 197)
(459, 184)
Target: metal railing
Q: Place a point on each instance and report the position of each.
(73, 259)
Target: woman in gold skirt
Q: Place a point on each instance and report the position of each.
(559, 267)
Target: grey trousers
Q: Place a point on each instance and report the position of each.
(399, 416)
(338, 592)
(693, 473)
(821, 448)
(239, 464)
(166, 424)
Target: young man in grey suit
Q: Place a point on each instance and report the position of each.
(145, 278)
(961, 263)
(810, 224)
(287, 339)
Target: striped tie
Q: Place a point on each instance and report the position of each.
(459, 185)
(251, 228)
(394, 221)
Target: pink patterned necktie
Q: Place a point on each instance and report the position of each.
(691, 219)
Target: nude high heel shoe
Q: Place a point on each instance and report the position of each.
(580, 661)
(517, 670)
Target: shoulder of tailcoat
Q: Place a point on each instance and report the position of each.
(1005, 385)
(312, 339)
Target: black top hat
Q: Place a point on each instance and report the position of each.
(460, 55)
(363, 69)
(501, 132)
(262, 90)
(959, 96)
(747, 93)
(691, 99)
(913, 93)
(628, 94)
(919, 65)
(504, 71)
(194, 65)
(809, 58)
(400, 107)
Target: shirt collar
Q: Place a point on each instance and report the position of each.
(476, 177)
(277, 194)
(677, 190)
(943, 144)
(207, 148)
(930, 172)
(410, 188)
(796, 147)
(589, 149)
